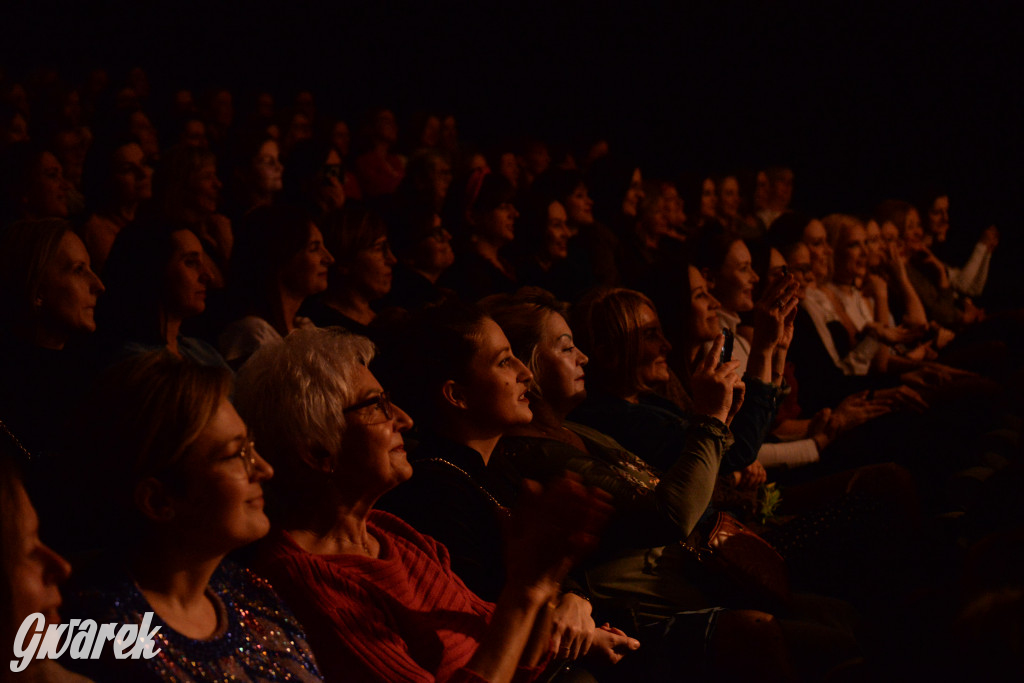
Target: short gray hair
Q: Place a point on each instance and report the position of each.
(293, 393)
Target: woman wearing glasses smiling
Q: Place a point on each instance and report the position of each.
(182, 483)
(380, 599)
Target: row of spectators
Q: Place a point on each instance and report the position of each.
(414, 325)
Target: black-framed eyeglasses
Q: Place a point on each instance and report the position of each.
(381, 401)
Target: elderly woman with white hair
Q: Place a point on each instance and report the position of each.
(379, 599)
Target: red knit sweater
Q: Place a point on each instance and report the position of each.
(403, 616)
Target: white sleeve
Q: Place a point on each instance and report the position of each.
(788, 453)
(970, 280)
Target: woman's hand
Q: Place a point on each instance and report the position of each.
(855, 410)
(990, 238)
(611, 645)
(713, 383)
(572, 627)
(771, 313)
(551, 529)
(894, 335)
(752, 476)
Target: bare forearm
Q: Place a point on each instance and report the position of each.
(518, 621)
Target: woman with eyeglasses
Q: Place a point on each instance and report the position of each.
(280, 260)
(361, 273)
(181, 486)
(423, 247)
(379, 599)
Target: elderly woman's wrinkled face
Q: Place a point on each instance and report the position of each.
(67, 294)
(560, 365)
(816, 240)
(305, 273)
(703, 308)
(373, 449)
(220, 505)
(734, 281)
(133, 177)
(494, 390)
(35, 571)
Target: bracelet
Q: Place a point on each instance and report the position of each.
(574, 591)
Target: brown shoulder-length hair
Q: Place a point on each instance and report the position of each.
(606, 326)
(521, 316)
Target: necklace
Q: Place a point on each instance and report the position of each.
(501, 508)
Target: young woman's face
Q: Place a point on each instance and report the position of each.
(35, 570)
(267, 168)
(579, 207)
(47, 190)
(708, 198)
(816, 240)
(654, 348)
(187, 276)
(703, 308)
(557, 233)
(371, 269)
(206, 186)
(133, 177)
(560, 365)
(734, 282)
(851, 258)
(496, 383)
(373, 451)
(729, 197)
(68, 290)
(634, 194)
(305, 273)
(220, 505)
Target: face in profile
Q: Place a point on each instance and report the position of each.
(913, 233)
(133, 176)
(373, 451)
(494, 390)
(557, 233)
(305, 273)
(371, 269)
(703, 308)
(708, 198)
(187, 276)
(873, 244)
(799, 264)
(560, 365)
(634, 193)
(267, 168)
(47, 190)
(433, 253)
(938, 217)
(220, 503)
(673, 207)
(579, 207)
(733, 283)
(35, 571)
(499, 224)
(68, 291)
(654, 348)
(331, 190)
(205, 188)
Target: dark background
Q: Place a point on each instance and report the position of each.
(866, 101)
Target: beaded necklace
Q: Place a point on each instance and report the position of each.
(501, 508)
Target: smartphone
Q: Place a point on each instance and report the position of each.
(727, 346)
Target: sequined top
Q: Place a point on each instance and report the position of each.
(257, 638)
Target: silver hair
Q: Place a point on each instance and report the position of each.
(293, 393)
